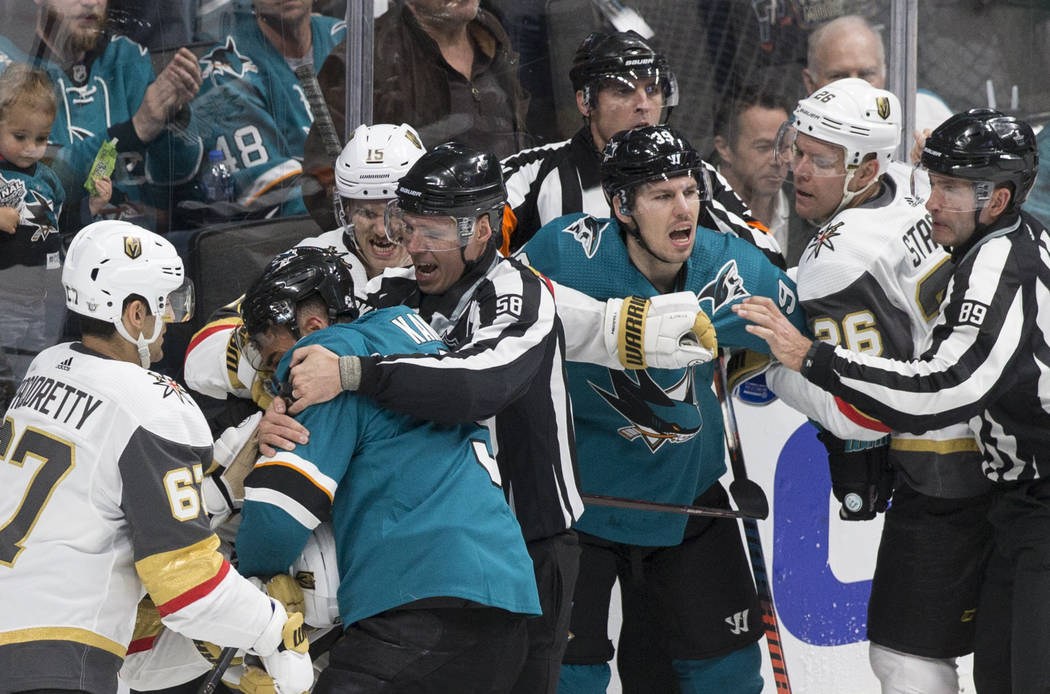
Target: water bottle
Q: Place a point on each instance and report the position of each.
(216, 180)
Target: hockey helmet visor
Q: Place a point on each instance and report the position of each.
(950, 193)
(419, 231)
(816, 157)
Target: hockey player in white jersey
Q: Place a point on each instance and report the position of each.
(366, 175)
(105, 489)
(872, 279)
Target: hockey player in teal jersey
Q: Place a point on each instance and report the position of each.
(426, 542)
(654, 433)
(253, 106)
(107, 90)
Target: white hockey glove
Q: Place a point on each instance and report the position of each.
(284, 650)
(668, 331)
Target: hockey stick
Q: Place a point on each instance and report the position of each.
(746, 493)
(225, 658)
(754, 541)
(619, 502)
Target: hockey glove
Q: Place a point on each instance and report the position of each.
(668, 331)
(861, 476)
(284, 650)
(284, 588)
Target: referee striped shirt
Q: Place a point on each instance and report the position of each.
(988, 363)
(505, 366)
(544, 183)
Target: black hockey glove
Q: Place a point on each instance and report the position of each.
(861, 476)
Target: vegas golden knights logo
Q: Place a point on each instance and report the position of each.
(413, 139)
(132, 247)
(883, 105)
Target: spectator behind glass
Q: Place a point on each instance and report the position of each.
(107, 90)
(30, 202)
(416, 84)
(850, 47)
(746, 127)
(255, 109)
(447, 69)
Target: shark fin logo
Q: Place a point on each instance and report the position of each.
(725, 288)
(588, 232)
(226, 60)
(657, 416)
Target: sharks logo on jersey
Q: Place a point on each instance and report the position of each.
(657, 416)
(227, 60)
(725, 288)
(37, 215)
(587, 231)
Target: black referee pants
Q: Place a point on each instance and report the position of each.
(1013, 616)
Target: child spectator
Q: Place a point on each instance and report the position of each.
(31, 199)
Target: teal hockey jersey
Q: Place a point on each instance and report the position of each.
(253, 108)
(38, 196)
(653, 434)
(96, 100)
(416, 507)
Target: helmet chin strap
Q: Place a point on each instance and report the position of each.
(847, 195)
(141, 343)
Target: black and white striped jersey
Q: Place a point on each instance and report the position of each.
(544, 183)
(505, 366)
(872, 279)
(988, 362)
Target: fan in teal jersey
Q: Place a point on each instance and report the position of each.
(107, 90)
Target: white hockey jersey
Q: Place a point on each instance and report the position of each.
(214, 365)
(102, 504)
(872, 280)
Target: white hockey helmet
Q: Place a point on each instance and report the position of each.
(854, 115)
(317, 573)
(109, 261)
(373, 160)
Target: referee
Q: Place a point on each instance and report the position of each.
(987, 364)
(506, 366)
(621, 83)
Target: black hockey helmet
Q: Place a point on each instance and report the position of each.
(646, 154)
(456, 181)
(292, 277)
(985, 146)
(623, 56)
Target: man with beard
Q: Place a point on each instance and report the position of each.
(107, 90)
